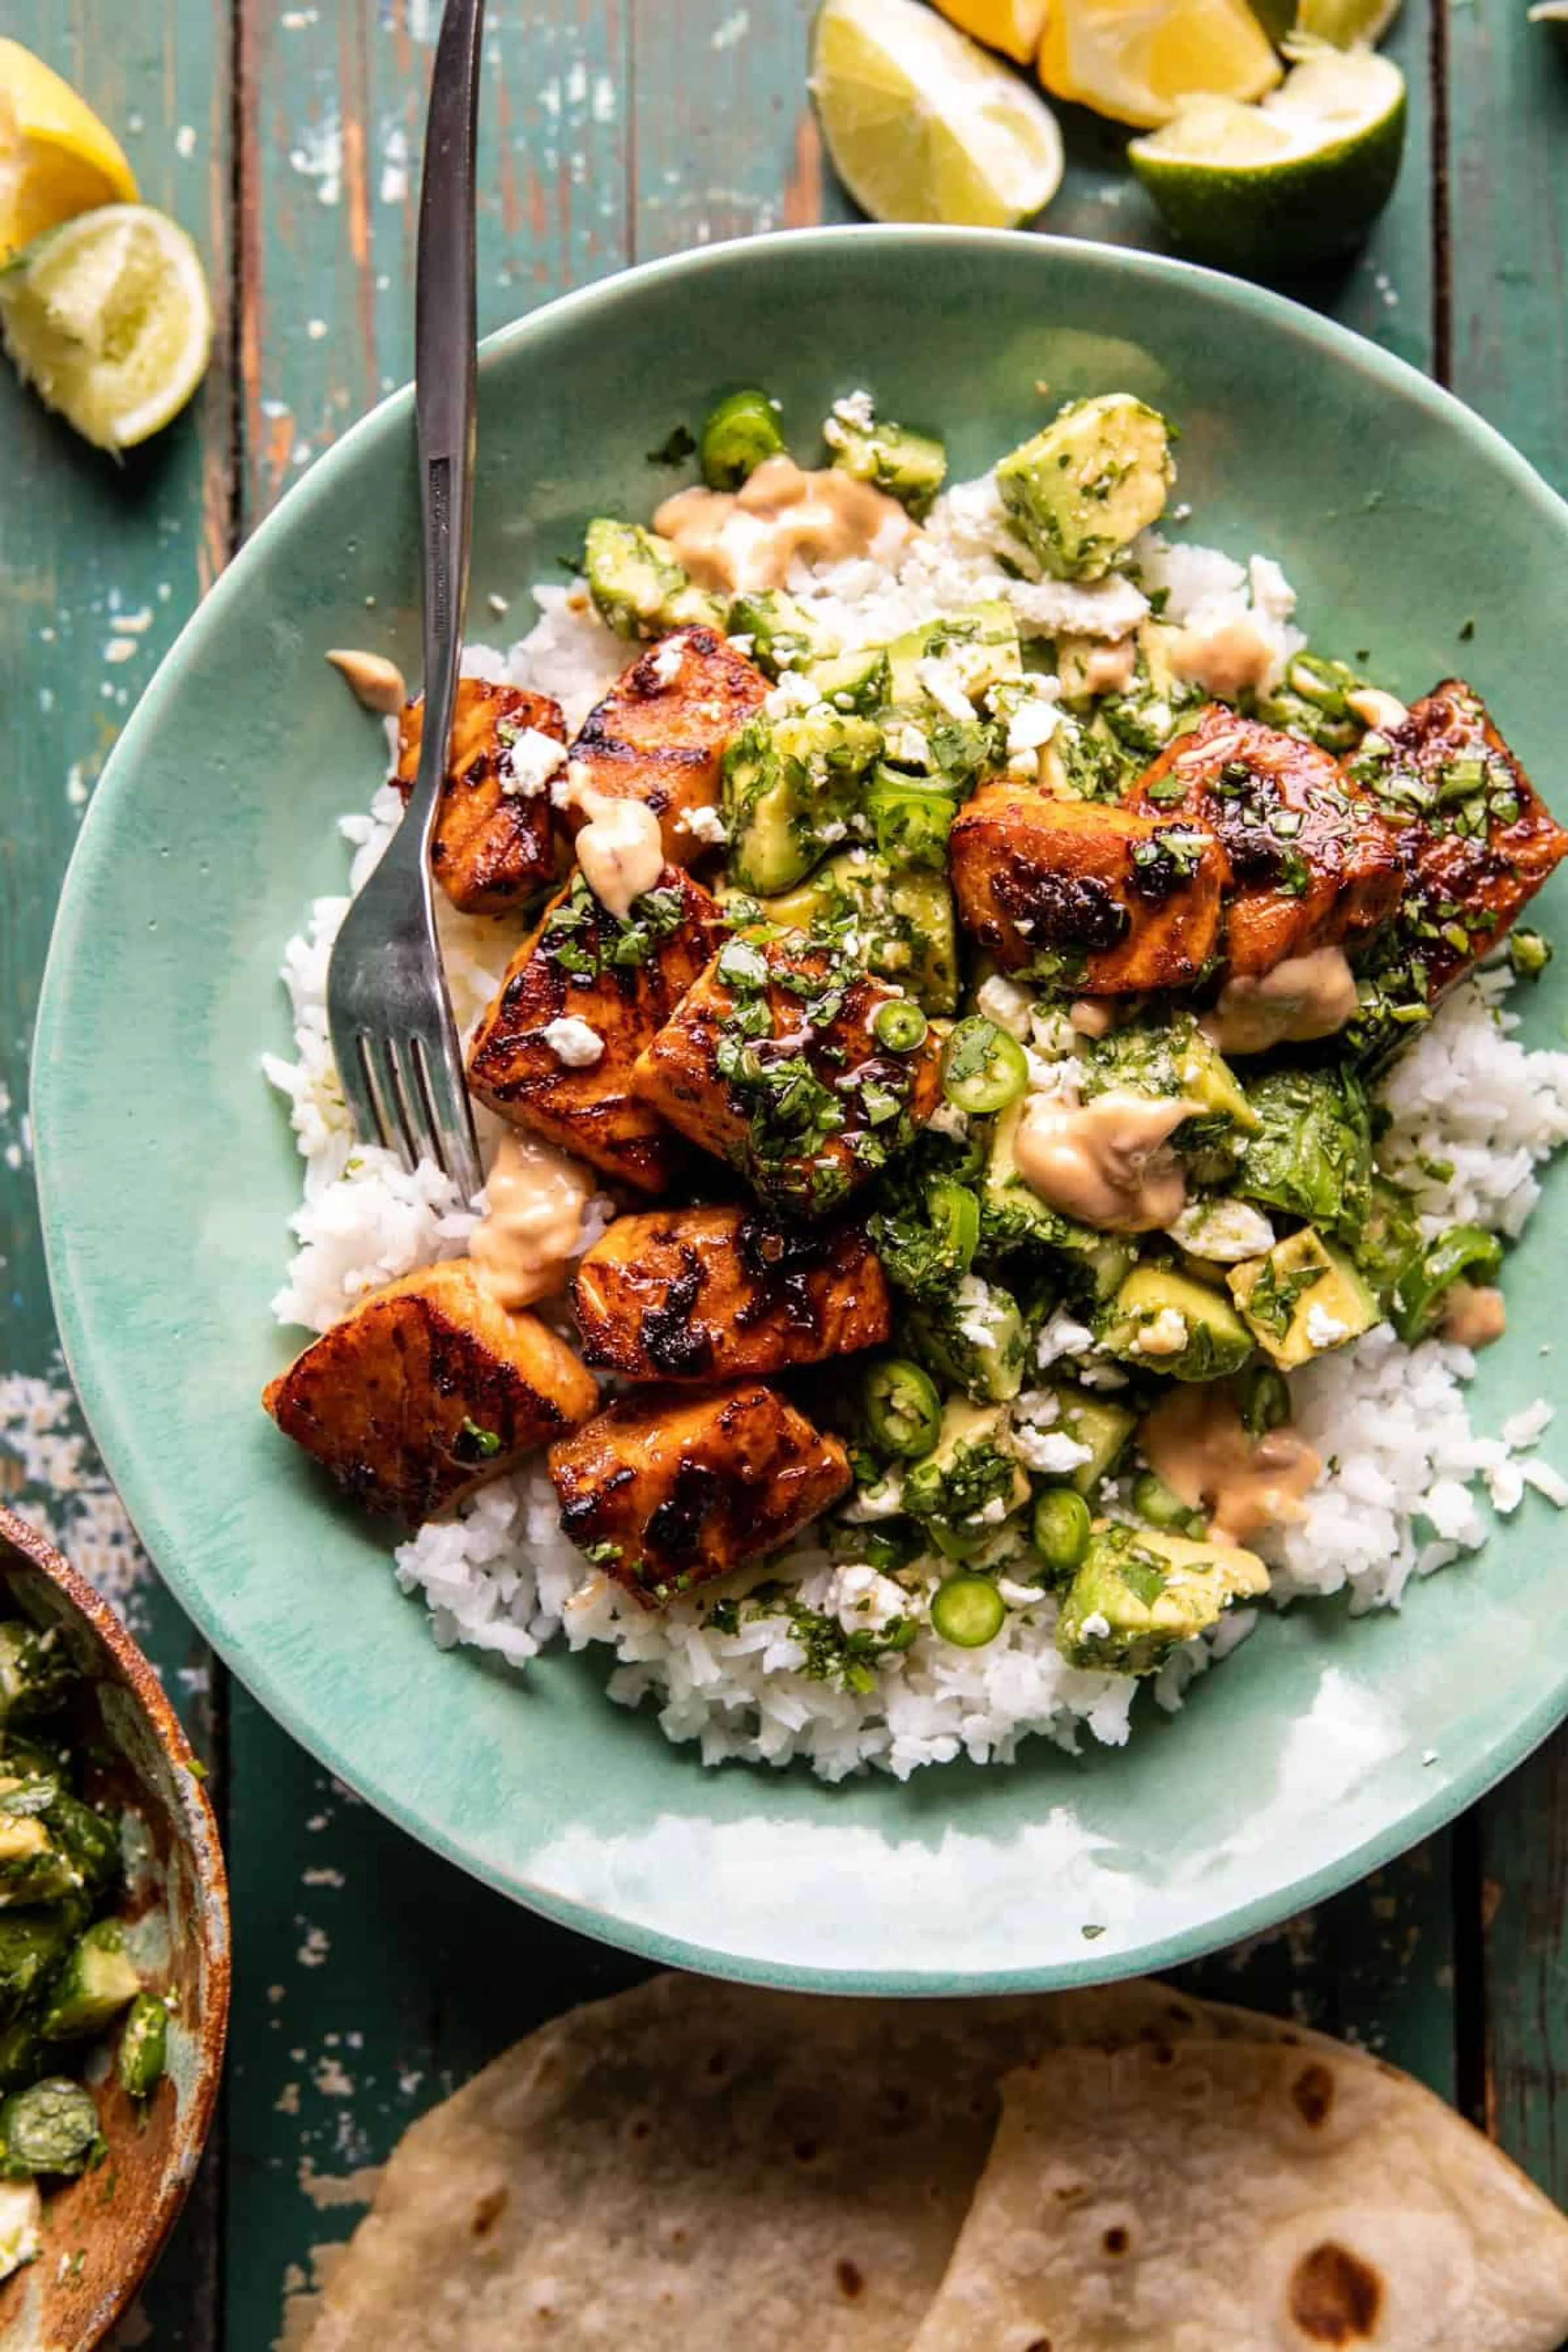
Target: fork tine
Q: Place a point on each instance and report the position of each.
(443, 1088)
(353, 1077)
(394, 1120)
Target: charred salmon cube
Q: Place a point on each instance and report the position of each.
(1475, 838)
(774, 1060)
(616, 983)
(711, 1294)
(670, 1488)
(660, 736)
(1086, 894)
(492, 846)
(1312, 864)
(426, 1390)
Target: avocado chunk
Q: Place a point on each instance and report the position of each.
(1014, 1217)
(974, 1338)
(1105, 1428)
(980, 646)
(907, 466)
(1141, 1592)
(789, 788)
(32, 1869)
(1079, 494)
(783, 635)
(1174, 1059)
(638, 588)
(1168, 1323)
(97, 1981)
(970, 1470)
(32, 1946)
(905, 917)
(1302, 1299)
(855, 681)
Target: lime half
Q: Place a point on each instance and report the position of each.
(1291, 182)
(109, 317)
(922, 125)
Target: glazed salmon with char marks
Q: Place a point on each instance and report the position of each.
(1312, 864)
(624, 980)
(771, 1061)
(1475, 839)
(671, 1488)
(660, 736)
(427, 1389)
(1093, 896)
(492, 846)
(715, 1292)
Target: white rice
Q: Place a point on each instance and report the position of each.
(1406, 1480)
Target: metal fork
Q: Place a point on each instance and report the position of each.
(388, 1009)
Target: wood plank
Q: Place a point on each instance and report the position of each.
(380, 2011)
(99, 568)
(1507, 221)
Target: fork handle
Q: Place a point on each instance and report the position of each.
(444, 380)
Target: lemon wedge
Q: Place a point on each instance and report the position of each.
(922, 125)
(1136, 60)
(109, 318)
(57, 159)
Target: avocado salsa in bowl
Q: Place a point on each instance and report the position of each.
(892, 787)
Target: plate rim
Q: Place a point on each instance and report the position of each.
(1342, 345)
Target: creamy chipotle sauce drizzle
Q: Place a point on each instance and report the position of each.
(750, 538)
(620, 849)
(533, 1223)
(1198, 1444)
(1227, 661)
(1304, 997)
(1474, 1314)
(1104, 1161)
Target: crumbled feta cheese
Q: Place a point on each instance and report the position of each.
(1001, 1000)
(704, 824)
(1019, 1596)
(1062, 1335)
(1030, 726)
(883, 1501)
(941, 679)
(1097, 1624)
(949, 1120)
(1043, 1407)
(1224, 1231)
(793, 692)
(665, 662)
(1164, 1333)
(573, 1041)
(907, 745)
(1050, 1449)
(857, 408)
(863, 1601)
(528, 762)
(975, 1307)
(989, 1515)
(1323, 1329)
(744, 644)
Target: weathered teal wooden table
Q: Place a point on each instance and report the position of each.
(372, 1978)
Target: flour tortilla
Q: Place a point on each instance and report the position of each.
(1227, 2197)
(707, 2166)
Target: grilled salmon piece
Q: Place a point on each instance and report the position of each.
(1312, 866)
(623, 980)
(1087, 894)
(1475, 838)
(670, 1488)
(709, 1294)
(427, 1389)
(771, 1061)
(492, 847)
(660, 736)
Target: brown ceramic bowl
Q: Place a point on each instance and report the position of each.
(143, 1765)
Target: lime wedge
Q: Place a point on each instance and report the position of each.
(1288, 183)
(109, 318)
(1348, 24)
(922, 125)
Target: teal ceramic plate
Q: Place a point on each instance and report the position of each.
(167, 1170)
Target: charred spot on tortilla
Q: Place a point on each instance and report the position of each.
(1335, 2297)
(1115, 2239)
(851, 2283)
(1313, 2095)
(805, 2151)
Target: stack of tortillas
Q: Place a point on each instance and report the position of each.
(711, 2169)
